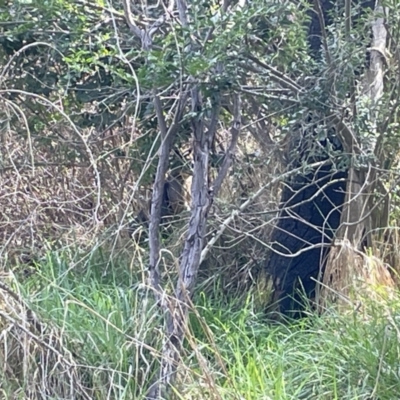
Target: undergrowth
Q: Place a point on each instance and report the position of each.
(112, 327)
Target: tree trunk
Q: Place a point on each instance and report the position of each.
(326, 203)
(357, 217)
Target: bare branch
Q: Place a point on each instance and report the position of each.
(145, 35)
(182, 10)
(129, 20)
(177, 307)
(226, 4)
(278, 76)
(160, 116)
(374, 77)
(320, 14)
(171, 5)
(347, 12)
(212, 128)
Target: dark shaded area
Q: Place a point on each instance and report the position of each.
(314, 31)
(359, 9)
(311, 203)
(310, 215)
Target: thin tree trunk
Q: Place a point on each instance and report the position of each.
(191, 257)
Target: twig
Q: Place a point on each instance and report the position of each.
(92, 159)
(145, 35)
(36, 338)
(29, 313)
(129, 20)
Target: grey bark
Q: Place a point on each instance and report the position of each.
(362, 182)
(176, 307)
(358, 217)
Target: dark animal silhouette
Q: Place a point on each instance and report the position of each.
(311, 204)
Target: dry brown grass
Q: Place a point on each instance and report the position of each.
(352, 276)
(62, 185)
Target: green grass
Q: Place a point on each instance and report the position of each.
(233, 352)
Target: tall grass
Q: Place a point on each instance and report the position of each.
(232, 351)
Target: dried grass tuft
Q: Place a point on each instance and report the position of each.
(351, 276)
(34, 353)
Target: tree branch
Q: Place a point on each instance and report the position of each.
(320, 13)
(129, 20)
(167, 138)
(278, 76)
(145, 35)
(177, 308)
